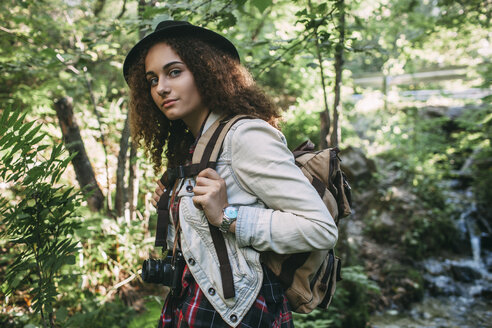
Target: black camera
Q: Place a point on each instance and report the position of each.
(167, 272)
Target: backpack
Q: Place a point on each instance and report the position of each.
(309, 278)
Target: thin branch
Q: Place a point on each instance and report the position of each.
(201, 5)
(209, 17)
(123, 10)
(7, 30)
(286, 51)
(260, 26)
(120, 284)
(69, 66)
(292, 47)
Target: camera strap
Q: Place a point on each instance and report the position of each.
(176, 242)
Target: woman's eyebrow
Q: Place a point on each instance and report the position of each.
(165, 67)
(171, 63)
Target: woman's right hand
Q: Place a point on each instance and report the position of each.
(159, 190)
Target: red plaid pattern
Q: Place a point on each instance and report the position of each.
(192, 309)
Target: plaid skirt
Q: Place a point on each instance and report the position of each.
(192, 309)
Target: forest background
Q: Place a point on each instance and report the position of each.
(401, 86)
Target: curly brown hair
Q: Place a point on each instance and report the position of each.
(224, 85)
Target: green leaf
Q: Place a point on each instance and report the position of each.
(262, 4)
(13, 118)
(32, 133)
(19, 122)
(35, 172)
(38, 139)
(3, 119)
(25, 127)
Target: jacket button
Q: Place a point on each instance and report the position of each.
(233, 318)
(189, 188)
(211, 291)
(191, 261)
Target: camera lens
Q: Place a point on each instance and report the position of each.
(157, 271)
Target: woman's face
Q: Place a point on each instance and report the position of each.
(173, 87)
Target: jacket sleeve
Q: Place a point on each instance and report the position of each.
(296, 219)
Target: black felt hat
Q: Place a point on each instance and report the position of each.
(170, 28)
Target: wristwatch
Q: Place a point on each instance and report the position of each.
(230, 215)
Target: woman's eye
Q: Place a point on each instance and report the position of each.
(153, 81)
(174, 72)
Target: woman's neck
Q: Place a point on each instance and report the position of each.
(195, 122)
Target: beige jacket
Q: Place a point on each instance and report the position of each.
(279, 211)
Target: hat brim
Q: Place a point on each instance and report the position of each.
(201, 33)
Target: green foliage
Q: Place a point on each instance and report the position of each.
(300, 125)
(148, 318)
(39, 223)
(95, 314)
(52, 48)
(475, 140)
(418, 157)
(112, 248)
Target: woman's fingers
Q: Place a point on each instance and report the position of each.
(210, 195)
(158, 191)
(155, 199)
(198, 201)
(210, 174)
(200, 190)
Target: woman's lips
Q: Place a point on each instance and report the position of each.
(169, 103)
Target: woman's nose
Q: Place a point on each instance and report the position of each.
(163, 88)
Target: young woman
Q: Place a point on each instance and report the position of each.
(182, 79)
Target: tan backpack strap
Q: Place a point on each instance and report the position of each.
(208, 147)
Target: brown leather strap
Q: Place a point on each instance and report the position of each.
(225, 265)
(206, 155)
(210, 143)
(203, 142)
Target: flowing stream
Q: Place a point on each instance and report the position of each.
(458, 289)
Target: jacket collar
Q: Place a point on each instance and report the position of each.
(212, 117)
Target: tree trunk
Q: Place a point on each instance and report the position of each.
(324, 116)
(103, 140)
(324, 130)
(82, 165)
(120, 197)
(337, 106)
(98, 7)
(133, 181)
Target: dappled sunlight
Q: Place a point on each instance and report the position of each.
(414, 116)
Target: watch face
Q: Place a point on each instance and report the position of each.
(230, 212)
